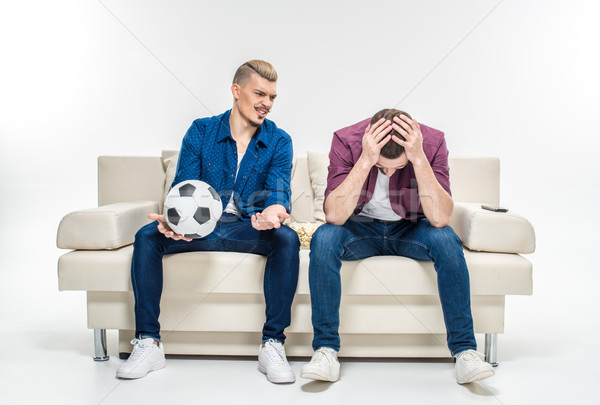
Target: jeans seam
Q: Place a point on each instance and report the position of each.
(268, 278)
(357, 239)
(414, 242)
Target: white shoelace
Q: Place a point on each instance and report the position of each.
(277, 354)
(471, 356)
(140, 349)
(322, 356)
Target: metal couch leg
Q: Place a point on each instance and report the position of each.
(491, 348)
(100, 353)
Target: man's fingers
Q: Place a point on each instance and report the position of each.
(257, 222)
(416, 124)
(381, 135)
(401, 130)
(405, 122)
(381, 127)
(382, 143)
(398, 140)
(375, 128)
(254, 223)
(283, 215)
(413, 124)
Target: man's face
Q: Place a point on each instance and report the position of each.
(255, 98)
(389, 166)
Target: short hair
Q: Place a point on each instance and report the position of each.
(260, 67)
(391, 150)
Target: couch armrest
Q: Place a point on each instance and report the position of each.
(108, 227)
(488, 231)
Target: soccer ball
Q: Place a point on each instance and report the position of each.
(193, 208)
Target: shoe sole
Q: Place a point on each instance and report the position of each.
(276, 380)
(133, 376)
(478, 377)
(319, 377)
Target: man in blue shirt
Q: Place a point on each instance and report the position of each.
(248, 160)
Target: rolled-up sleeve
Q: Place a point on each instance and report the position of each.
(340, 164)
(439, 164)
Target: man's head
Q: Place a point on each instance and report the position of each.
(254, 90)
(391, 156)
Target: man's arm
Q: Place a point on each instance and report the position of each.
(189, 163)
(277, 186)
(189, 167)
(341, 202)
(437, 204)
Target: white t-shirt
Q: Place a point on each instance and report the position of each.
(379, 206)
(231, 204)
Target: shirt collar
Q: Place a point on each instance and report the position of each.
(261, 134)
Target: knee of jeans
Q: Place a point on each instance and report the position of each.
(445, 237)
(325, 237)
(286, 237)
(147, 233)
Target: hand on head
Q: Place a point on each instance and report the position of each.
(375, 138)
(411, 131)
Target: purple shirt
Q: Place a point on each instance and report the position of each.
(346, 148)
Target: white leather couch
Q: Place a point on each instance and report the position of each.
(213, 303)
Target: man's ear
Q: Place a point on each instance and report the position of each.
(235, 90)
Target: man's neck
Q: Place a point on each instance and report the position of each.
(241, 129)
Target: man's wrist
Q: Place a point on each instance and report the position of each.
(420, 162)
(363, 164)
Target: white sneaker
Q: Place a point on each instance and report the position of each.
(324, 366)
(145, 357)
(273, 363)
(471, 366)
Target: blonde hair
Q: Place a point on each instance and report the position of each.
(260, 67)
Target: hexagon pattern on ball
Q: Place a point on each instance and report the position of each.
(193, 208)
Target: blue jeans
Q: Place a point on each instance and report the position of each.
(281, 246)
(362, 237)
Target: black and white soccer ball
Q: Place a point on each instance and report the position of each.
(193, 208)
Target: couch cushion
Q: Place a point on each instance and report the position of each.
(317, 169)
(130, 178)
(475, 179)
(169, 159)
(108, 227)
(490, 273)
(302, 195)
(489, 231)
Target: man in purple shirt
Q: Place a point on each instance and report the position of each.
(388, 193)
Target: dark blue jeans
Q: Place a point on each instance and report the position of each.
(281, 246)
(362, 237)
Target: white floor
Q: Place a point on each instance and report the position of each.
(547, 354)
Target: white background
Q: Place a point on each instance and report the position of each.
(514, 79)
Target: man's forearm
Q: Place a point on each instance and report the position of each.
(341, 202)
(437, 204)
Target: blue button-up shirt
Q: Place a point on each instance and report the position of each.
(209, 153)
